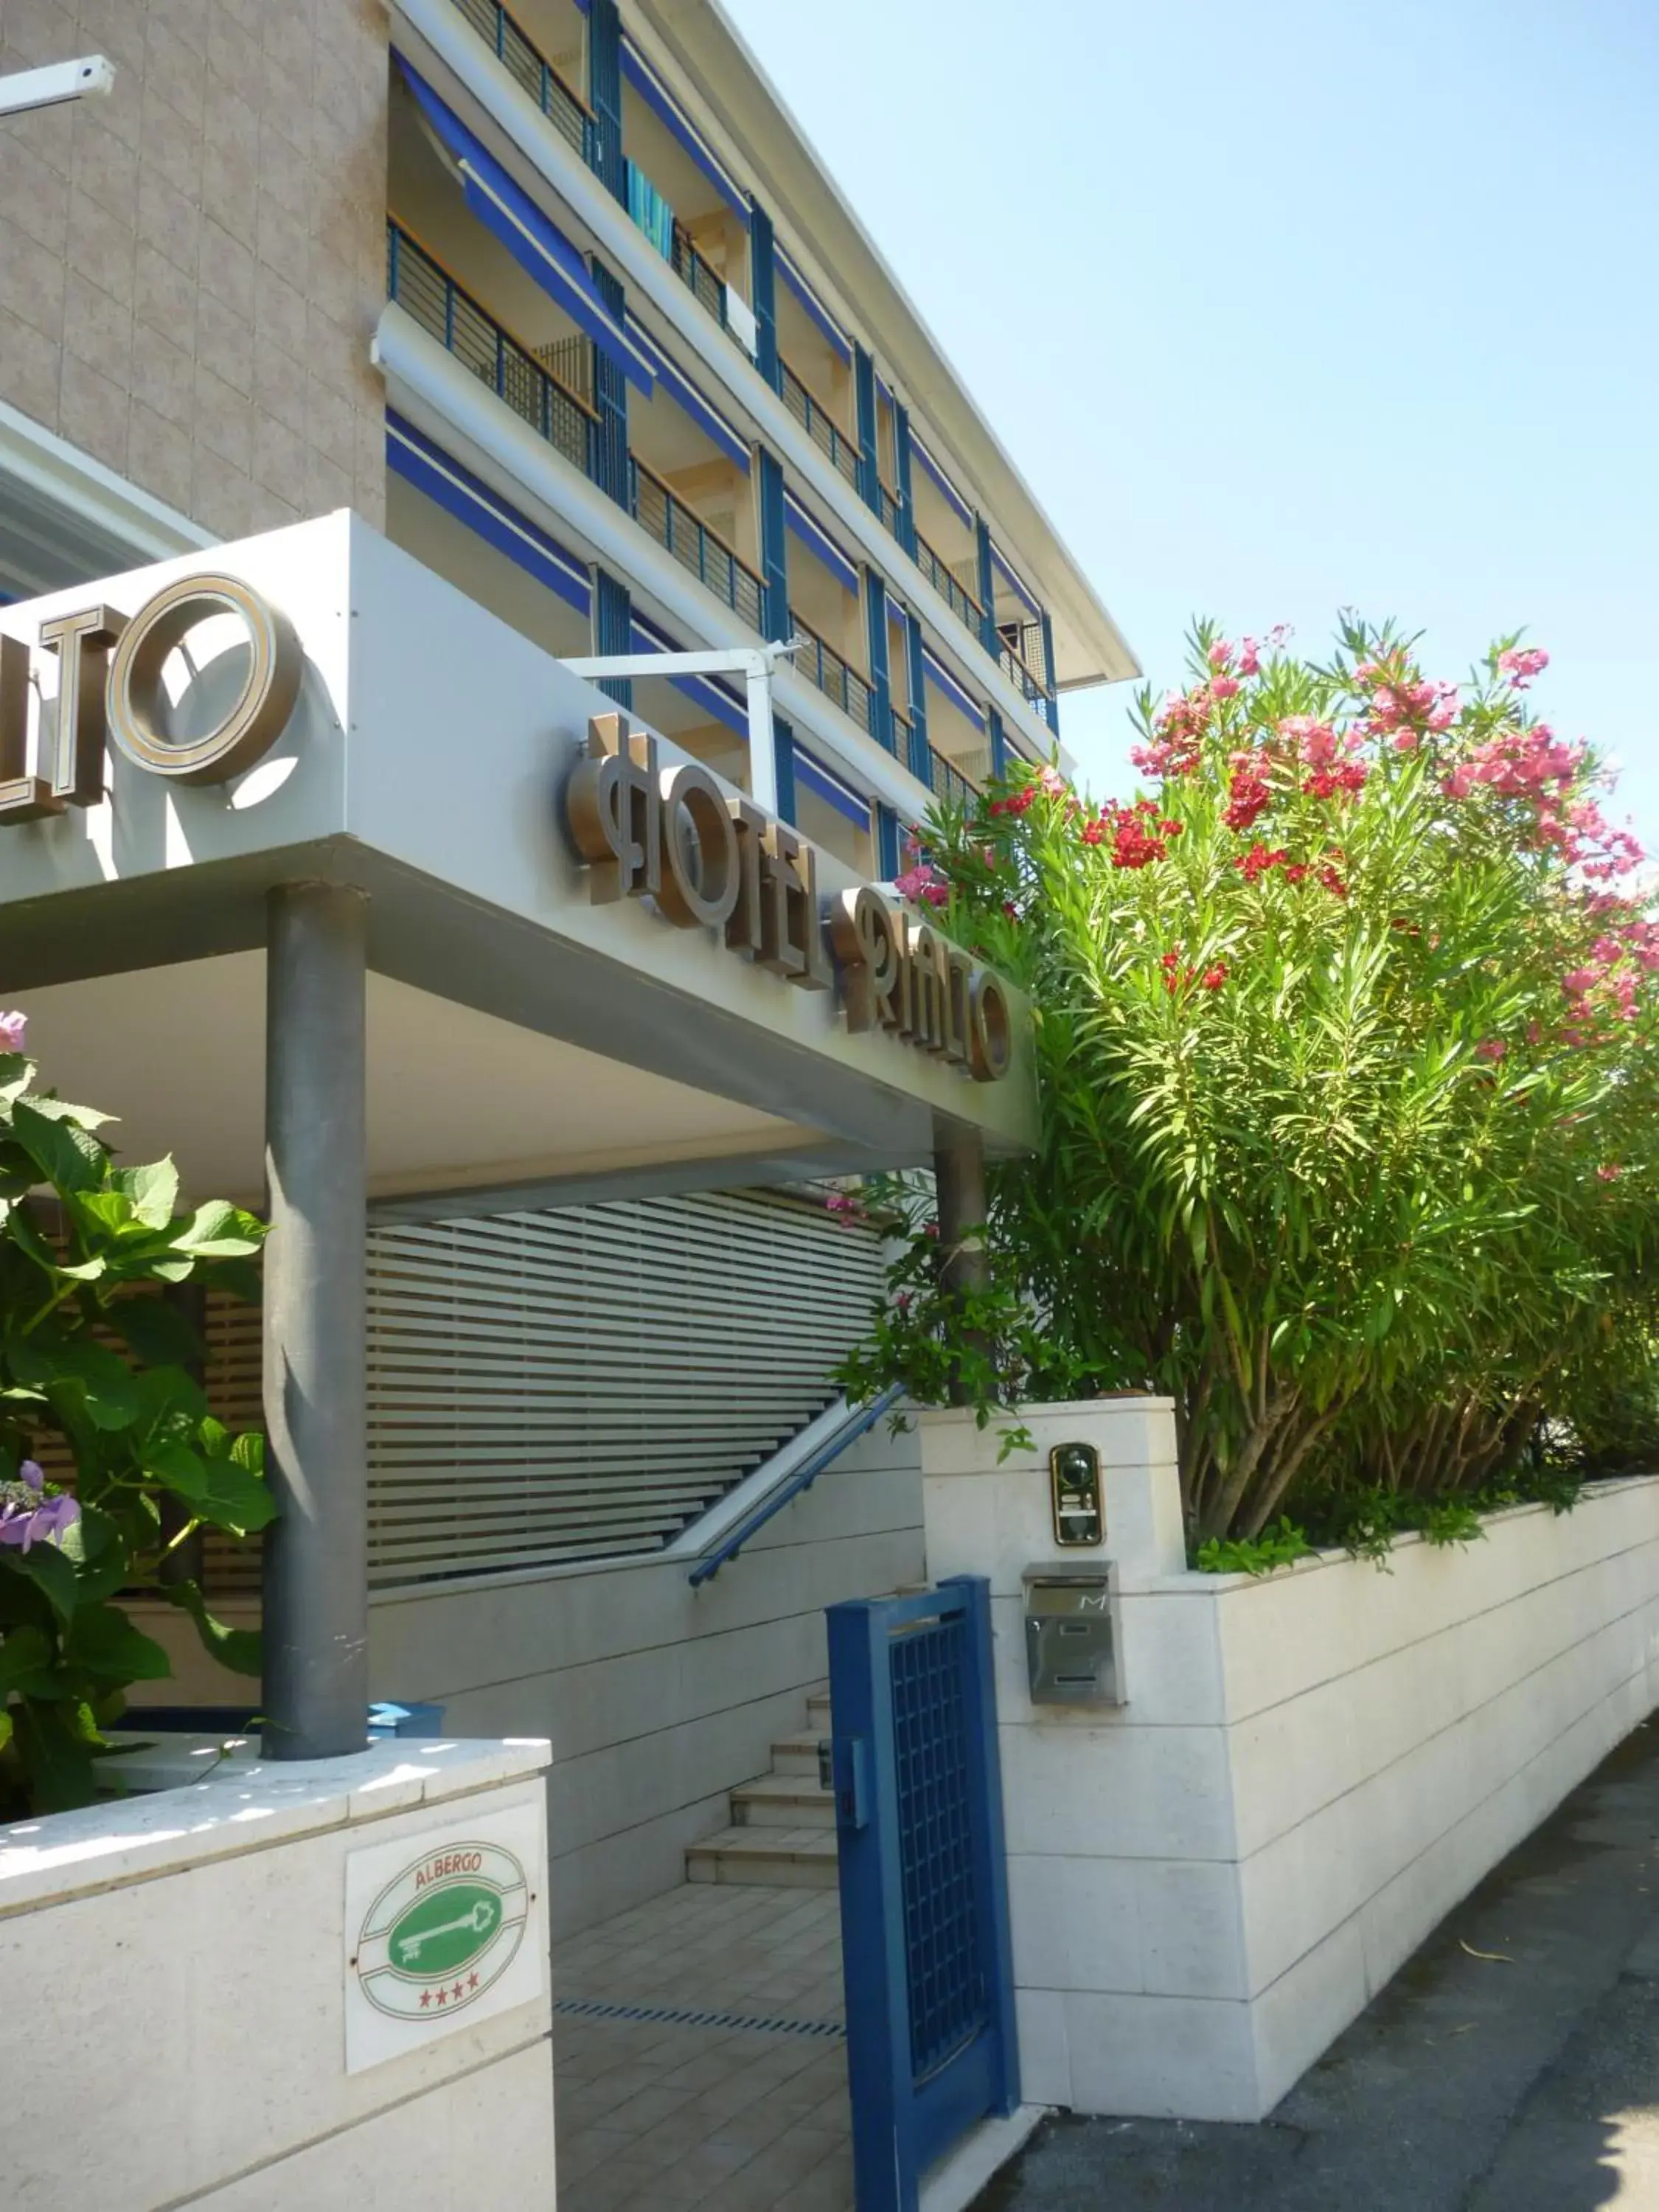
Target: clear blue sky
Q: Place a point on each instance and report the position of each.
(1291, 306)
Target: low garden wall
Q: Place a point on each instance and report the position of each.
(214, 1993)
(1208, 1882)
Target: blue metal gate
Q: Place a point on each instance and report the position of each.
(924, 1900)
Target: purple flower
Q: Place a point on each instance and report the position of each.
(13, 1028)
(26, 1515)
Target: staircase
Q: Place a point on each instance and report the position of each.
(782, 1834)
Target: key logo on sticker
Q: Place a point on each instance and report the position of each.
(443, 1931)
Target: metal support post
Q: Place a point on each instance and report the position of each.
(959, 1184)
(316, 1579)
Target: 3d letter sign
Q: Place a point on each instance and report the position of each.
(117, 697)
(712, 860)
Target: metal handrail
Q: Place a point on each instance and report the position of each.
(833, 675)
(947, 781)
(860, 1422)
(698, 274)
(518, 54)
(962, 603)
(893, 515)
(814, 418)
(665, 516)
(427, 291)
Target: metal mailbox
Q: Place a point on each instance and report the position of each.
(1071, 1650)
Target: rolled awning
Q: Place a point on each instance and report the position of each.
(534, 241)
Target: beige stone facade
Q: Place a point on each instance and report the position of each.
(190, 268)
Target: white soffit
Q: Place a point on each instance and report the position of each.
(455, 1096)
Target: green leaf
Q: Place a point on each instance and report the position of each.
(223, 1491)
(50, 1572)
(153, 1191)
(219, 1231)
(59, 1745)
(94, 1546)
(17, 1074)
(154, 1331)
(103, 1643)
(26, 1662)
(68, 1157)
(239, 1648)
(108, 1385)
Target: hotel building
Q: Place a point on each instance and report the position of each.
(559, 303)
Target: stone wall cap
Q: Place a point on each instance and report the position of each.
(247, 1804)
(1050, 1410)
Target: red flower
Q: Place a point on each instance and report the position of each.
(1332, 883)
(1248, 797)
(1213, 978)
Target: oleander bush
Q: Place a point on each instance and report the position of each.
(1348, 1042)
(95, 1372)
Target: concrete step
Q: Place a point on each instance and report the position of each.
(817, 1713)
(782, 1800)
(797, 1754)
(767, 1858)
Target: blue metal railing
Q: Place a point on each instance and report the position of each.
(525, 61)
(420, 284)
(814, 418)
(860, 1422)
(694, 545)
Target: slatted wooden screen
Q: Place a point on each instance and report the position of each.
(571, 1385)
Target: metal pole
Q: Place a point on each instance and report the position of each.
(762, 741)
(316, 1585)
(960, 1183)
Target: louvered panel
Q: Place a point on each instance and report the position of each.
(233, 1386)
(578, 1383)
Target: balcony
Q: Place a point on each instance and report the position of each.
(962, 603)
(839, 683)
(425, 290)
(815, 419)
(530, 68)
(663, 515)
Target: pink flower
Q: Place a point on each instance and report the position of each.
(925, 884)
(1522, 663)
(1052, 781)
(1610, 1173)
(12, 1029)
(1493, 1048)
(1220, 654)
(1250, 656)
(1225, 687)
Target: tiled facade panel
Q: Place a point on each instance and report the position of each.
(190, 269)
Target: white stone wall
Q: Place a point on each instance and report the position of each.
(1207, 1884)
(175, 1977)
(656, 1697)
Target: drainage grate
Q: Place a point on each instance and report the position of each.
(591, 2009)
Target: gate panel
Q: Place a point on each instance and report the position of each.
(930, 2023)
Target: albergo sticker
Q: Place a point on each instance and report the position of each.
(443, 1931)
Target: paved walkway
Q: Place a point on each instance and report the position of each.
(700, 2058)
(1511, 2066)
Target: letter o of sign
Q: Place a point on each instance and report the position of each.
(254, 723)
(699, 878)
(990, 1030)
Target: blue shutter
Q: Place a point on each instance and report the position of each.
(999, 741)
(887, 843)
(613, 630)
(604, 96)
(774, 547)
(610, 471)
(986, 594)
(881, 688)
(1049, 676)
(918, 763)
(906, 488)
(783, 745)
(763, 283)
(864, 391)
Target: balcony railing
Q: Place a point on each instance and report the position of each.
(820, 664)
(948, 782)
(1028, 686)
(963, 604)
(665, 517)
(891, 514)
(529, 67)
(810, 413)
(697, 275)
(425, 290)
